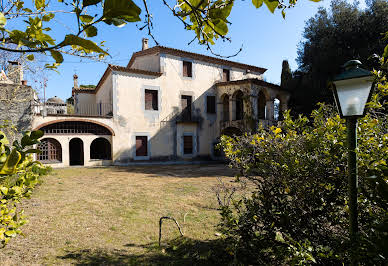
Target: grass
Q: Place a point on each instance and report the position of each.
(111, 216)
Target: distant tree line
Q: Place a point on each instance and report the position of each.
(332, 37)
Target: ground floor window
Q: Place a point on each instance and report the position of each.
(141, 146)
(187, 144)
(100, 149)
(51, 151)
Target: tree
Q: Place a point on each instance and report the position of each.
(332, 37)
(33, 34)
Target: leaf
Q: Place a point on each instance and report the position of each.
(48, 17)
(57, 56)
(9, 167)
(271, 4)
(86, 18)
(71, 39)
(257, 3)
(91, 31)
(39, 4)
(220, 26)
(33, 151)
(90, 2)
(36, 134)
(121, 9)
(3, 138)
(30, 57)
(385, 54)
(315, 1)
(3, 20)
(279, 237)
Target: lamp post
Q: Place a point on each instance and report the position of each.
(352, 90)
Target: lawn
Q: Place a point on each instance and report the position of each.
(111, 216)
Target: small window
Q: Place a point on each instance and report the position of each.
(187, 69)
(187, 144)
(141, 146)
(225, 75)
(211, 104)
(151, 99)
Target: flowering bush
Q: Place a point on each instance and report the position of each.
(298, 212)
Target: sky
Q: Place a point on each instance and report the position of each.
(266, 40)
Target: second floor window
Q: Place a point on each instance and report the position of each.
(186, 101)
(187, 69)
(225, 75)
(151, 100)
(211, 104)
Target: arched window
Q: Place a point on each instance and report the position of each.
(261, 101)
(50, 151)
(225, 108)
(76, 151)
(239, 105)
(276, 109)
(100, 149)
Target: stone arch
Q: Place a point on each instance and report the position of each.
(59, 122)
(225, 107)
(238, 97)
(278, 107)
(231, 131)
(50, 151)
(76, 151)
(100, 148)
(261, 105)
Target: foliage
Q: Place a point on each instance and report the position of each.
(19, 174)
(332, 37)
(33, 26)
(298, 213)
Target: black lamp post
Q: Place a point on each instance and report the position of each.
(352, 90)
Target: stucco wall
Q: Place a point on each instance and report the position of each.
(104, 94)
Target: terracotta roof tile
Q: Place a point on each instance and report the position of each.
(200, 57)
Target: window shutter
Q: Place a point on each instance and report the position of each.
(141, 145)
(187, 69)
(151, 99)
(211, 104)
(225, 75)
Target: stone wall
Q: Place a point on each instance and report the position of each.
(16, 107)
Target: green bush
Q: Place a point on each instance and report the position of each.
(19, 174)
(298, 212)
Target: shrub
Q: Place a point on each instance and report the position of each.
(19, 174)
(298, 212)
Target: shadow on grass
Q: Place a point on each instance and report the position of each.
(190, 170)
(180, 251)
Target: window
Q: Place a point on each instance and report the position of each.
(141, 146)
(225, 75)
(211, 104)
(187, 69)
(51, 151)
(151, 100)
(186, 101)
(187, 144)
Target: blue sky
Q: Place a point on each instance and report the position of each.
(266, 38)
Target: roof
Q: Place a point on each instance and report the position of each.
(111, 68)
(201, 57)
(252, 80)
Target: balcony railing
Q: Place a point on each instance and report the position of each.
(244, 124)
(99, 109)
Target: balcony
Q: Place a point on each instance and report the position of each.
(186, 117)
(81, 110)
(245, 125)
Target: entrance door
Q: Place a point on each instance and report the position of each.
(76, 151)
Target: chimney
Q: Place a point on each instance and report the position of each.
(75, 78)
(144, 43)
(15, 72)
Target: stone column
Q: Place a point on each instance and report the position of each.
(269, 110)
(231, 108)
